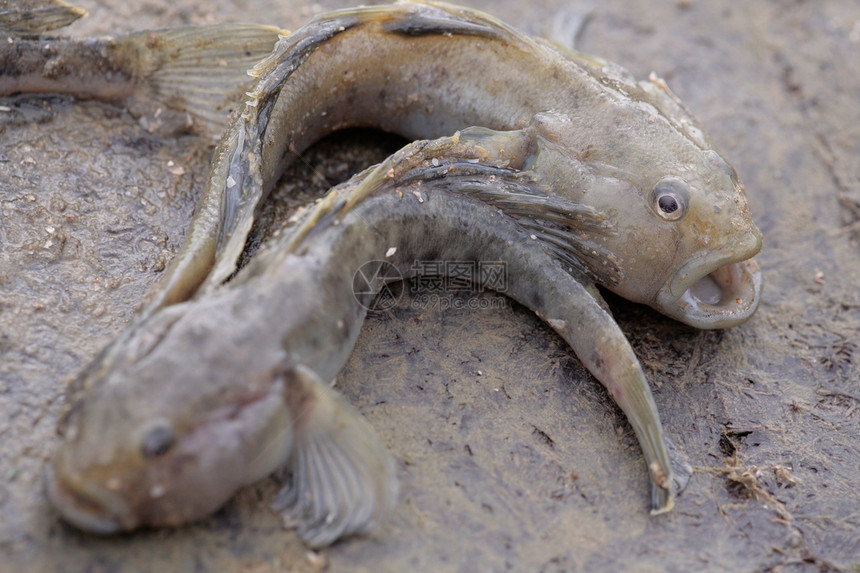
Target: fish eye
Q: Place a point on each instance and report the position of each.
(670, 198)
(157, 440)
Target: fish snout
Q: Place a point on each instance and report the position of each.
(87, 506)
(718, 290)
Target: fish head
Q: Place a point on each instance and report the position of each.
(712, 281)
(696, 200)
(170, 424)
(679, 234)
(684, 245)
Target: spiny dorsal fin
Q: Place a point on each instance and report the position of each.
(565, 228)
(34, 17)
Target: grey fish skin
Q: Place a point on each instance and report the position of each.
(196, 70)
(254, 396)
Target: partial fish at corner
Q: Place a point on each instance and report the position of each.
(199, 72)
(627, 193)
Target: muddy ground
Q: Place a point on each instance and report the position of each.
(510, 456)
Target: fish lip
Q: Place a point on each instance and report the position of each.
(735, 273)
(104, 516)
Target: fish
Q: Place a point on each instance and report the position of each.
(199, 72)
(683, 240)
(616, 185)
(409, 69)
(214, 393)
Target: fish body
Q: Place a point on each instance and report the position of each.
(579, 176)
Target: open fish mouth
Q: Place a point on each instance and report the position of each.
(101, 513)
(719, 293)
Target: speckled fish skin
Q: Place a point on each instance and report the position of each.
(629, 195)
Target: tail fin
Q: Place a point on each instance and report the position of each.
(36, 16)
(201, 70)
(343, 479)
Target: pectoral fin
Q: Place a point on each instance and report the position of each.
(342, 478)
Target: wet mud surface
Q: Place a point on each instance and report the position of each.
(510, 456)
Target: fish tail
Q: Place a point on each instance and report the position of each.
(198, 71)
(37, 16)
(342, 478)
(201, 70)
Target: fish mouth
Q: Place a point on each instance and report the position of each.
(715, 292)
(94, 510)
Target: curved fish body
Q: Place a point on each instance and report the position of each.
(198, 71)
(425, 70)
(615, 185)
(212, 394)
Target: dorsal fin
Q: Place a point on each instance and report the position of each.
(565, 228)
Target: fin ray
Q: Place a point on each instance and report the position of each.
(200, 69)
(37, 16)
(343, 480)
